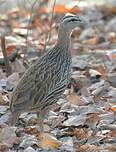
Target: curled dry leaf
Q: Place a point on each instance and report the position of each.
(92, 120)
(73, 98)
(28, 140)
(112, 92)
(8, 137)
(87, 109)
(85, 92)
(113, 133)
(112, 148)
(113, 108)
(87, 148)
(91, 41)
(95, 139)
(29, 149)
(97, 92)
(10, 49)
(59, 9)
(13, 78)
(75, 120)
(94, 73)
(108, 127)
(107, 118)
(48, 141)
(80, 134)
(67, 144)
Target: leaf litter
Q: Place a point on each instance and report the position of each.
(84, 121)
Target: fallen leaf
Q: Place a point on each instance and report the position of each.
(87, 148)
(103, 71)
(94, 73)
(74, 10)
(80, 134)
(75, 120)
(92, 120)
(112, 148)
(8, 137)
(48, 141)
(63, 9)
(28, 140)
(10, 49)
(91, 41)
(107, 118)
(67, 144)
(29, 149)
(60, 9)
(73, 98)
(13, 78)
(113, 108)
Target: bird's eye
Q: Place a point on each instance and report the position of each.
(74, 19)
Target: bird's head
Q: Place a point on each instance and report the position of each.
(71, 21)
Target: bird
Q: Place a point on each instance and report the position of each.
(44, 82)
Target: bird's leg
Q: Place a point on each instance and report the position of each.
(14, 118)
(40, 119)
(41, 115)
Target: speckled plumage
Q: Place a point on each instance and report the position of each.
(45, 81)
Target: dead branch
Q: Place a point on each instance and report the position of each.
(48, 35)
(6, 60)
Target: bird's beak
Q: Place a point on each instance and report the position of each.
(83, 23)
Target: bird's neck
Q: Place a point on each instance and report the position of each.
(64, 39)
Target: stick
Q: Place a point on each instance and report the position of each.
(49, 33)
(3, 46)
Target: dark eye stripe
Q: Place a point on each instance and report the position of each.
(72, 18)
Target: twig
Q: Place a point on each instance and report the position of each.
(30, 19)
(6, 60)
(48, 36)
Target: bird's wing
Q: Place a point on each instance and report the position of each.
(32, 86)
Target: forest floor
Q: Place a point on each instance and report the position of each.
(85, 121)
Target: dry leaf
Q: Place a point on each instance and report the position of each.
(8, 137)
(73, 98)
(94, 73)
(13, 78)
(113, 108)
(67, 145)
(95, 139)
(113, 133)
(112, 148)
(31, 130)
(107, 118)
(48, 141)
(92, 120)
(75, 120)
(80, 133)
(10, 49)
(74, 10)
(60, 9)
(63, 9)
(87, 148)
(91, 41)
(29, 149)
(103, 71)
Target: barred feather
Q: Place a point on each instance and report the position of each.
(45, 81)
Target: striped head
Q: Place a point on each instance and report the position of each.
(71, 21)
